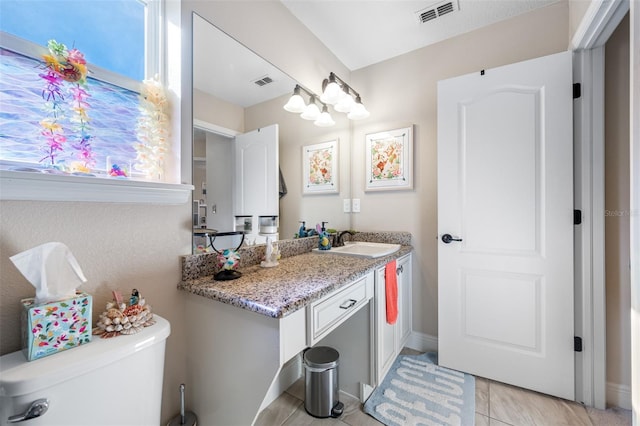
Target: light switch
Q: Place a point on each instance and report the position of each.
(346, 205)
(355, 206)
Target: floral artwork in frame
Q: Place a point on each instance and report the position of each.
(320, 168)
(389, 160)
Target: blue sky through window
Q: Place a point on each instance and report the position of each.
(110, 33)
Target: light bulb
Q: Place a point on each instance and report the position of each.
(324, 120)
(296, 103)
(311, 112)
(345, 104)
(358, 111)
(332, 92)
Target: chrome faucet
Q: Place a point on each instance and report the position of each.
(338, 239)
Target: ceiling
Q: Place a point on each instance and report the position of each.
(364, 32)
(359, 32)
(235, 76)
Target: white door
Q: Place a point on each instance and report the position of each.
(256, 172)
(505, 190)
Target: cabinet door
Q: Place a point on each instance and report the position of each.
(385, 333)
(256, 172)
(404, 299)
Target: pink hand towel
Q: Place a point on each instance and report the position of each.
(391, 291)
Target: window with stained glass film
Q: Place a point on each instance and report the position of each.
(112, 114)
(52, 123)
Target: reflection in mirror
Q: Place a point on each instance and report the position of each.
(238, 96)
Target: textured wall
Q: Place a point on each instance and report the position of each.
(118, 247)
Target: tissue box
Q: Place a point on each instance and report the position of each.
(53, 327)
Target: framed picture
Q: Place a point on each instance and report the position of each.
(389, 160)
(320, 168)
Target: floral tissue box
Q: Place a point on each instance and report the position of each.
(55, 326)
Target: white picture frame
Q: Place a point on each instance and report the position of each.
(320, 168)
(389, 160)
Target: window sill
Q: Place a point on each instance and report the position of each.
(27, 186)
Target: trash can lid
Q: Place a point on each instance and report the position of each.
(321, 357)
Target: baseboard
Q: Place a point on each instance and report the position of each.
(422, 342)
(619, 395)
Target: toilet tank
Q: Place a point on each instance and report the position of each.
(116, 381)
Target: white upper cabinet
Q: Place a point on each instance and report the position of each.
(256, 172)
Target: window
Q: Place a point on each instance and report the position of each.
(110, 33)
(97, 121)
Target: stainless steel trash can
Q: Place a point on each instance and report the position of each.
(321, 382)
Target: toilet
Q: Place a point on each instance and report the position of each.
(116, 381)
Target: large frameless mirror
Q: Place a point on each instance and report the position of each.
(246, 144)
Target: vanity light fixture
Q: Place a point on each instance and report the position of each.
(311, 111)
(358, 111)
(331, 91)
(342, 97)
(345, 103)
(296, 103)
(324, 120)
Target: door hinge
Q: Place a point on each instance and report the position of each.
(577, 344)
(577, 90)
(577, 217)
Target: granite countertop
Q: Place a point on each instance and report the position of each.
(297, 281)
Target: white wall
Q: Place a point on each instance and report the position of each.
(634, 159)
(617, 216)
(220, 171)
(118, 247)
(402, 91)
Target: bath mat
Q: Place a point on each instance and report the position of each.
(417, 391)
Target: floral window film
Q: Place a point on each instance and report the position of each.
(54, 118)
(38, 115)
(62, 113)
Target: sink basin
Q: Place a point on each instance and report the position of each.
(362, 249)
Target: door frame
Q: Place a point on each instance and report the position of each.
(599, 22)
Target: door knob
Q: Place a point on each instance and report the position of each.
(447, 238)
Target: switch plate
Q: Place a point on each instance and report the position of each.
(355, 206)
(346, 205)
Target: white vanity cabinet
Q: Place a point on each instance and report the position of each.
(326, 314)
(390, 338)
(238, 359)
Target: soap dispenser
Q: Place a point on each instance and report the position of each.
(302, 232)
(324, 243)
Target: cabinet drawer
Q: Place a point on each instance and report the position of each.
(328, 313)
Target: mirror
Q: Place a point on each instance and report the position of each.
(235, 91)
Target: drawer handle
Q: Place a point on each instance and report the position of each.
(399, 270)
(348, 304)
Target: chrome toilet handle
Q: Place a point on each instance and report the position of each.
(37, 408)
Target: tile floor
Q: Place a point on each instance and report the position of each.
(497, 404)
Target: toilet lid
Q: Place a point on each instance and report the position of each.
(20, 377)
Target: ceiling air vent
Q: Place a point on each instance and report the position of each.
(262, 81)
(437, 10)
